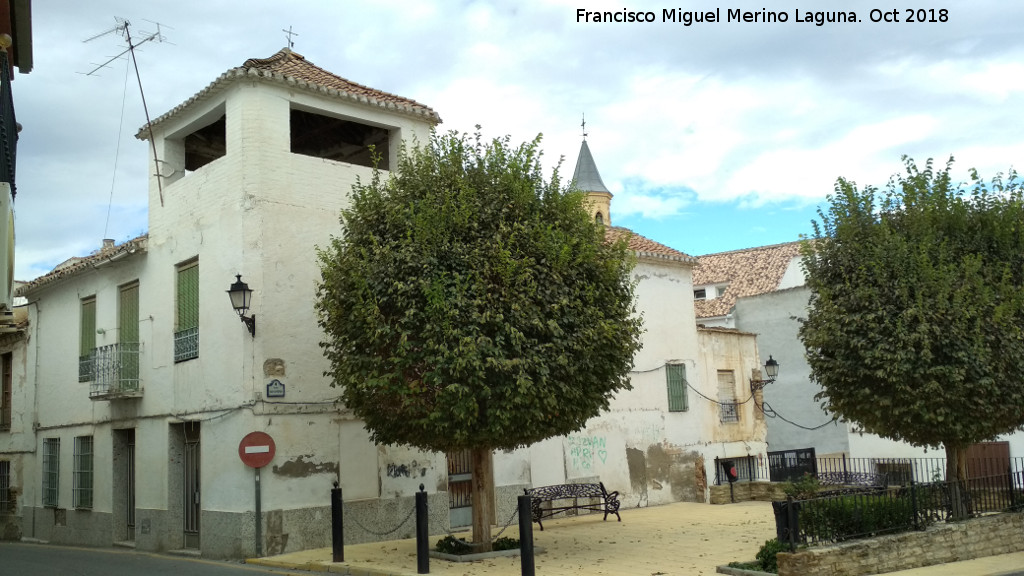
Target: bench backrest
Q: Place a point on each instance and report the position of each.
(567, 491)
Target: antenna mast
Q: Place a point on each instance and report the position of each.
(123, 28)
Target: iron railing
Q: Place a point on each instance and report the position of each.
(838, 517)
(791, 465)
(186, 344)
(116, 371)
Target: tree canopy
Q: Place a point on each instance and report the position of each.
(470, 303)
(915, 328)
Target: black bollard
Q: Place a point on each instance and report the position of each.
(526, 536)
(337, 524)
(422, 534)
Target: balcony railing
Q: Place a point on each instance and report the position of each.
(186, 344)
(116, 372)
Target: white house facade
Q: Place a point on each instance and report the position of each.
(133, 381)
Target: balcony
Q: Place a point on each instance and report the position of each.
(115, 372)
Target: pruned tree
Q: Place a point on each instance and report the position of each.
(915, 328)
(471, 304)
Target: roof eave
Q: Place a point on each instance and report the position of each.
(128, 249)
(236, 74)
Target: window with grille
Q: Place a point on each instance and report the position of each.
(6, 360)
(186, 335)
(82, 473)
(6, 502)
(675, 375)
(728, 409)
(51, 471)
(87, 341)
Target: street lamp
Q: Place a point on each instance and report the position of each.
(771, 370)
(241, 298)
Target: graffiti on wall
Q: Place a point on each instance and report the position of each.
(587, 451)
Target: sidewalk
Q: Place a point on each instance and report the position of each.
(677, 539)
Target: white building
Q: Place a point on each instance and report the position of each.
(762, 290)
(134, 382)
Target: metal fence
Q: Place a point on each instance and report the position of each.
(837, 517)
(790, 465)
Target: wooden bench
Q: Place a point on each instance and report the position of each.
(565, 497)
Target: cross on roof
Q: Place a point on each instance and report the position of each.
(289, 34)
(583, 125)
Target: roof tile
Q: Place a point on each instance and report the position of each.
(748, 272)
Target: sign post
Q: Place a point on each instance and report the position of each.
(256, 451)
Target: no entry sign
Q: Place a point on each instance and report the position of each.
(257, 449)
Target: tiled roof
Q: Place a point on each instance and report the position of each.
(747, 272)
(645, 247)
(73, 266)
(291, 68)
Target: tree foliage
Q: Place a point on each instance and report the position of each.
(470, 303)
(915, 329)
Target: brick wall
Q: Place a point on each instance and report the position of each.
(976, 538)
(747, 491)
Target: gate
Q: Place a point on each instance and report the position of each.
(790, 465)
(460, 488)
(192, 489)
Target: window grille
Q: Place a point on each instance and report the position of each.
(675, 375)
(82, 473)
(6, 502)
(186, 337)
(5, 392)
(51, 471)
(728, 409)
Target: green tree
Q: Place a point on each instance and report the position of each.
(471, 304)
(915, 329)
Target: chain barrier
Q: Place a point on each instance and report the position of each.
(385, 533)
(511, 519)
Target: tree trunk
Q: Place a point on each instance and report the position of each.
(483, 499)
(956, 478)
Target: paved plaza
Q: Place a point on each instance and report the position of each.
(681, 539)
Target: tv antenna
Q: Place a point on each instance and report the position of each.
(123, 29)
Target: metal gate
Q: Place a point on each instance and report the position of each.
(130, 515)
(460, 488)
(192, 492)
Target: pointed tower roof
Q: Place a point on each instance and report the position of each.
(586, 176)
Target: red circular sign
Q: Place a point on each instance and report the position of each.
(257, 449)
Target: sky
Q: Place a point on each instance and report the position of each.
(716, 136)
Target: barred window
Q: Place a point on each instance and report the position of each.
(51, 471)
(82, 473)
(6, 360)
(728, 409)
(6, 502)
(87, 340)
(675, 375)
(186, 335)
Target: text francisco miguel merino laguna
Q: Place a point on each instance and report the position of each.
(818, 18)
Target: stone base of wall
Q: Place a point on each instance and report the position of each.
(747, 491)
(10, 527)
(976, 538)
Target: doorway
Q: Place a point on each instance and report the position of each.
(191, 484)
(460, 488)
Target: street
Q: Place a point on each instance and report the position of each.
(21, 559)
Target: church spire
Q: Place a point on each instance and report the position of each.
(588, 180)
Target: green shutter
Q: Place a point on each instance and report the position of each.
(88, 337)
(188, 297)
(675, 375)
(128, 315)
(128, 338)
